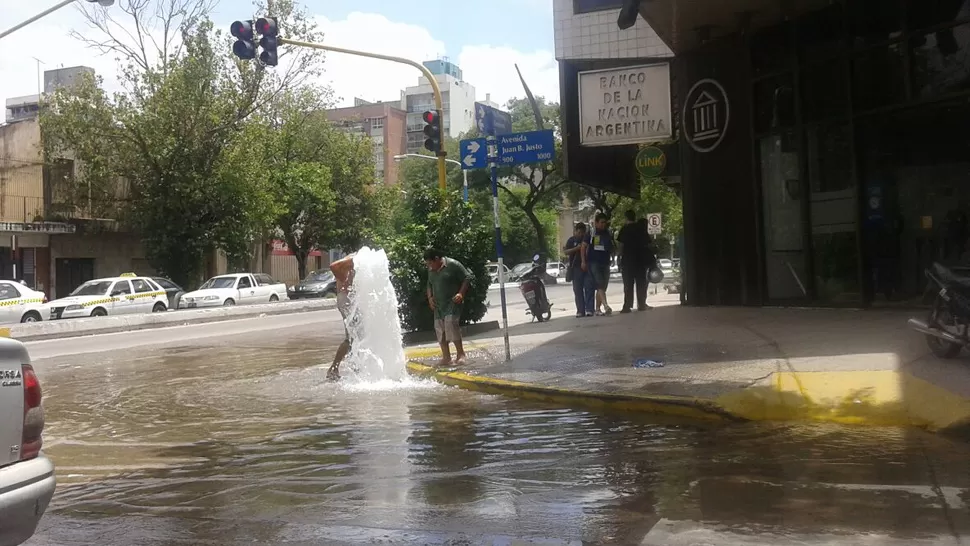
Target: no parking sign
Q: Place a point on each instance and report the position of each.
(654, 223)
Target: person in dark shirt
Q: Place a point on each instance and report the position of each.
(632, 249)
(448, 282)
(584, 289)
(599, 256)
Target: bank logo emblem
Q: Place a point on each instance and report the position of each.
(706, 115)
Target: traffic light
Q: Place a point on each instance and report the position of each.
(432, 131)
(266, 27)
(245, 47)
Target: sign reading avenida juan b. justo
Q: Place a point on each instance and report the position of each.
(629, 105)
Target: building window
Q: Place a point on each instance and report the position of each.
(590, 6)
(376, 123)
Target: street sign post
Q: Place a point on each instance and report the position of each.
(654, 223)
(492, 121)
(473, 153)
(513, 149)
(528, 147)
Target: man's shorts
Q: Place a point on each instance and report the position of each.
(601, 275)
(343, 305)
(447, 329)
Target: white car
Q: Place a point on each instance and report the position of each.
(235, 289)
(26, 475)
(555, 269)
(18, 303)
(124, 295)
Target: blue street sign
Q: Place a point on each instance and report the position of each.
(489, 119)
(473, 154)
(528, 147)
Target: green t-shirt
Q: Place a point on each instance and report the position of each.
(445, 283)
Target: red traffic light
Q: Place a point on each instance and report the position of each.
(242, 30)
(431, 117)
(267, 26)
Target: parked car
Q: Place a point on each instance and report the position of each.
(173, 291)
(123, 295)
(18, 303)
(555, 269)
(493, 268)
(26, 475)
(318, 284)
(235, 289)
(519, 270)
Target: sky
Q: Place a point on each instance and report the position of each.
(485, 38)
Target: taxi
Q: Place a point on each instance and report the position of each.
(18, 303)
(124, 295)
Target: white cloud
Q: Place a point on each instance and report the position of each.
(490, 69)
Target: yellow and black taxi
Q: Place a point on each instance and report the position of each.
(124, 295)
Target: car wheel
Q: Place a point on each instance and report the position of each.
(99, 312)
(31, 316)
(159, 308)
(274, 298)
(229, 302)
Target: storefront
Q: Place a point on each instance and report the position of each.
(824, 150)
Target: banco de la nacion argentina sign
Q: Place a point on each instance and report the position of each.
(629, 105)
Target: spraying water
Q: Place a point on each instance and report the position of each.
(377, 351)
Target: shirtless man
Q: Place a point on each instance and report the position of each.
(343, 272)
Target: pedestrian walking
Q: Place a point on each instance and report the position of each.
(448, 281)
(599, 257)
(577, 271)
(633, 251)
(343, 273)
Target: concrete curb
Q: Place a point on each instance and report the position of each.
(672, 405)
(872, 398)
(55, 329)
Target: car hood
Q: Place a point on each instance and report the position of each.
(314, 285)
(75, 300)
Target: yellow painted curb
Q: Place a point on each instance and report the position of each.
(431, 352)
(695, 408)
(876, 398)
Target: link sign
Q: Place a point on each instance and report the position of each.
(651, 162)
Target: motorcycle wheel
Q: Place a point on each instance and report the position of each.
(940, 347)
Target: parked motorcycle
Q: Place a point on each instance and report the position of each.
(534, 291)
(946, 328)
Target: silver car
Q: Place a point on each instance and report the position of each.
(26, 475)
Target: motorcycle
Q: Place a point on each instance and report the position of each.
(534, 291)
(946, 328)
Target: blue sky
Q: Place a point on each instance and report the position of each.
(485, 38)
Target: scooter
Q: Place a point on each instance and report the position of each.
(534, 291)
(946, 328)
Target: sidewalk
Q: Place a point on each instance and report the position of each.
(847, 366)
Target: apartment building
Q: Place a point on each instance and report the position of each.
(385, 124)
(458, 102)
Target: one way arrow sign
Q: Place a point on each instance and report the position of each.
(474, 154)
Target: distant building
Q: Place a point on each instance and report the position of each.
(385, 124)
(28, 106)
(458, 98)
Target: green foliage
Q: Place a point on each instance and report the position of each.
(168, 154)
(448, 224)
(518, 233)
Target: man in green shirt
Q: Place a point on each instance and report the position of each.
(448, 281)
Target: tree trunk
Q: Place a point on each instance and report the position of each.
(539, 229)
(301, 256)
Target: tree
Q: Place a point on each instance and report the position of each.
(448, 224)
(172, 140)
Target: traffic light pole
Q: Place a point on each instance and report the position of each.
(40, 15)
(439, 104)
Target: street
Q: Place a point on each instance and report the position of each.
(228, 433)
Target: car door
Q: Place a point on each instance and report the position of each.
(247, 292)
(143, 301)
(265, 285)
(10, 307)
(123, 304)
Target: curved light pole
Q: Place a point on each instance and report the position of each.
(464, 173)
(49, 11)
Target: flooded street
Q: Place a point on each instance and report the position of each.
(225, 436)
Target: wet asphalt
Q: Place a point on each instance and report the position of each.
(228, 434)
